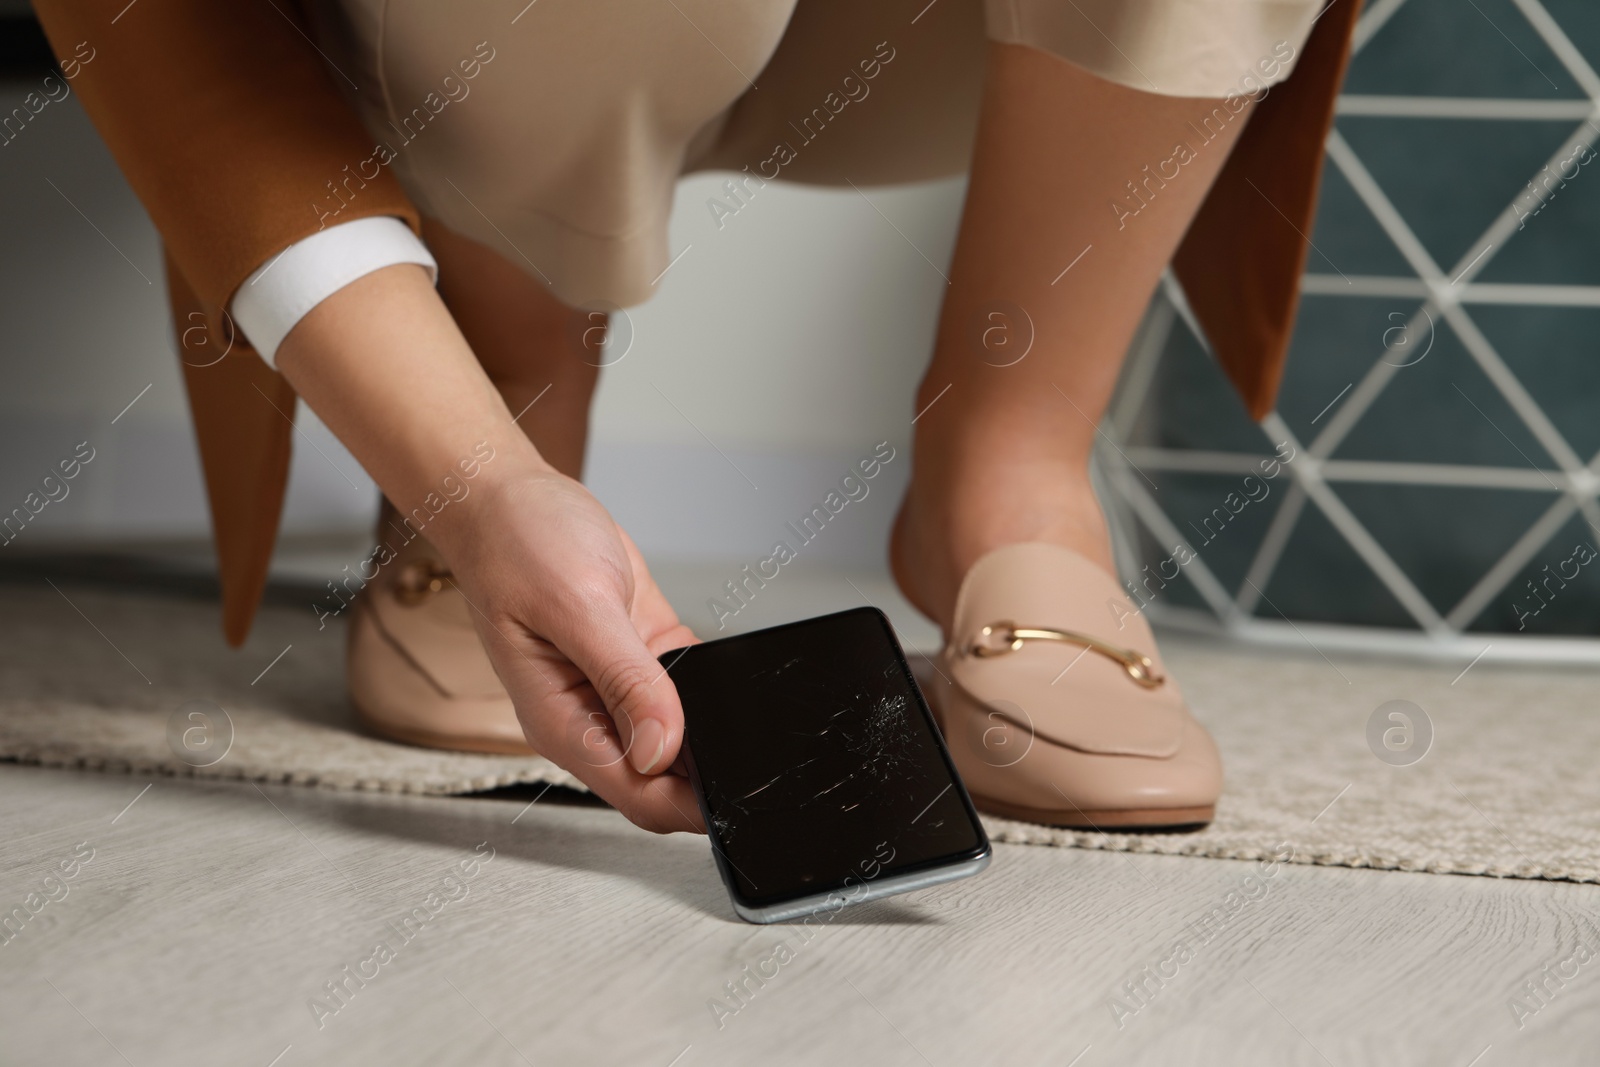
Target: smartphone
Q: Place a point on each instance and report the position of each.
(819, 768)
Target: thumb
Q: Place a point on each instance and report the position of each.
(635, 689)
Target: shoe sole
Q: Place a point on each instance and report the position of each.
(489, 746)
(1143, 819)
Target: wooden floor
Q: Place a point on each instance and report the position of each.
(209, 919)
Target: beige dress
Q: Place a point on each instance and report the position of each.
(561, 126)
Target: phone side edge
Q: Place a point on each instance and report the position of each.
(891, 885)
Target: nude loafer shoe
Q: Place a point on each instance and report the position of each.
(1055, 715)
(416, 669)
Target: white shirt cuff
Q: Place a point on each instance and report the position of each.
(279, 294)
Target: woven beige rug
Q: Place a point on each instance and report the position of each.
(99, 680)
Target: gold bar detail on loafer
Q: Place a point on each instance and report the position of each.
(1010, 638)
(418, 580)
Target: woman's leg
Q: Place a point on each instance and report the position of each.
(1002, 452)
(534, 348)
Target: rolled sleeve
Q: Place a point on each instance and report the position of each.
(283, 290)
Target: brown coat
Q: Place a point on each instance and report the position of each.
(226, 122)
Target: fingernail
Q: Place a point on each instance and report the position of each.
(649, 742)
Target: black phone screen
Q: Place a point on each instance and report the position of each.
(816, 759)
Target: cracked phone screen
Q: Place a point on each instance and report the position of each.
(816, 758)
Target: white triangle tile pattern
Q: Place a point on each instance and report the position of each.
(1446, 293)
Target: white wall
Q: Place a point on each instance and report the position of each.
(790, 341)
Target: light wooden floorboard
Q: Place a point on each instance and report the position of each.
(211, 913)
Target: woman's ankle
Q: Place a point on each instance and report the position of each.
(952, 518)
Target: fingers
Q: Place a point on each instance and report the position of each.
(573, 625)
(589, 747)
(567, 723)
(633, 686)
(664, 804)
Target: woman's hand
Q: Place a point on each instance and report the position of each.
(573, 623)
(566, 609)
